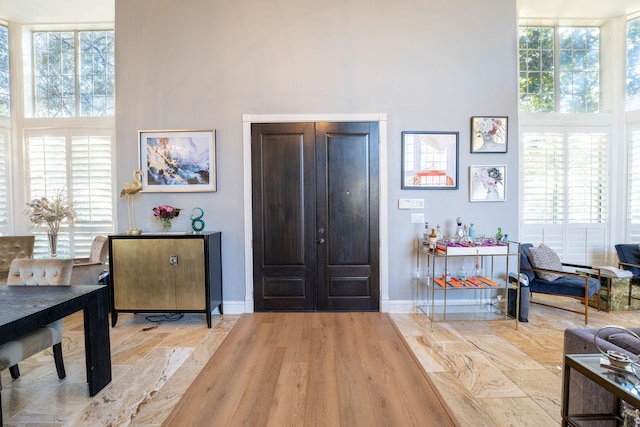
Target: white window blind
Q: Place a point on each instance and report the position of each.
(81, 165)
(633, 168)
(543, 178)
(4, 204)
(564, 192)
(587, 178)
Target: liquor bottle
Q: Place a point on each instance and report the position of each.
(439, 234)
(433, 239)
(425, 235)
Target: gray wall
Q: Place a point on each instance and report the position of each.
(428, 64)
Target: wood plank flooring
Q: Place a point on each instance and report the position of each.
(488, 373)
(303, 369)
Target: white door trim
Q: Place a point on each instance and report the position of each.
(247, 120)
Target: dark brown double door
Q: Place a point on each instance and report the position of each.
(315, 216)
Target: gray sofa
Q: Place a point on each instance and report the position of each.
(586, 396)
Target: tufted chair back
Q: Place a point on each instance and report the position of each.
(40, 272)
(12, 247)
(86, 271)
(99, 249)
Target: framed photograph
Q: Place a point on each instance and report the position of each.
(487, 183)
(489, 134)
(430, 160)
(178, 160)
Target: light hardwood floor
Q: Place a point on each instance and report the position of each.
(489, 373)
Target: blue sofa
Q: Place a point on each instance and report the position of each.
(573, 285)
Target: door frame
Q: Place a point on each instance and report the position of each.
(247, 120)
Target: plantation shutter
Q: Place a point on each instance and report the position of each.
(4, 205)
(81, 165)
(564, 192)
(633, 168)
(543, 178)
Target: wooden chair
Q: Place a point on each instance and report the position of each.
(576, 285)
(629, 259)
(86, 271)
(12, 247)
(36, 272)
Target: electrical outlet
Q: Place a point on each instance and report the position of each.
(417, 218)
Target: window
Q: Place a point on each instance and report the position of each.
(73, 74)
(81, 165)
(564, 191)
(543, 178)
(633, 191)
(559, 69)
(4, 202)
(4, 72)
(633, 65)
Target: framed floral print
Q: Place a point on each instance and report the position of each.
(489, 134)
(178, 160)
(487, 183)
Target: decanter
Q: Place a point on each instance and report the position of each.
(459, 235)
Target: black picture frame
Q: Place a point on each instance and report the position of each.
(430, 160)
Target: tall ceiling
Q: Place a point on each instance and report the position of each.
(582, 9)
(57, 11)
(65, 11)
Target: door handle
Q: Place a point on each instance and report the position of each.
(320, 241)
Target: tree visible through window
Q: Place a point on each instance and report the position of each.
(559, 69)
(73, 73)
(4, 72)
(633, 64)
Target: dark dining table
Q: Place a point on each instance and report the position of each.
(26, 308)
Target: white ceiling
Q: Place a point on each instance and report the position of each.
(582, 9)
(65, 11)
(57, 11)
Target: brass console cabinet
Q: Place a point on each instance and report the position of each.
(165, 273)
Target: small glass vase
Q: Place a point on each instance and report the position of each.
(166, 224)
(53, 243)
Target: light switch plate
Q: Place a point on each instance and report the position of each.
(410, 203)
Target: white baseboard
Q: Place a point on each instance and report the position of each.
(234, 307)
(387, 306)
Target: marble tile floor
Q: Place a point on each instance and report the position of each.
(489, 373)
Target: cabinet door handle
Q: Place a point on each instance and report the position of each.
(173, 259)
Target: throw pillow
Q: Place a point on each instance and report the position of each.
(545, 257)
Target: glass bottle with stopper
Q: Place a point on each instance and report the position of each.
(459, 230)
(477, 271)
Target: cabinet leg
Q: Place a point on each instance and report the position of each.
(114, 318)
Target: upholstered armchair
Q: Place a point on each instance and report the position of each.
(36, 272)
(629, 259)
(547, 275)
(86, 271)
(12, 247)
